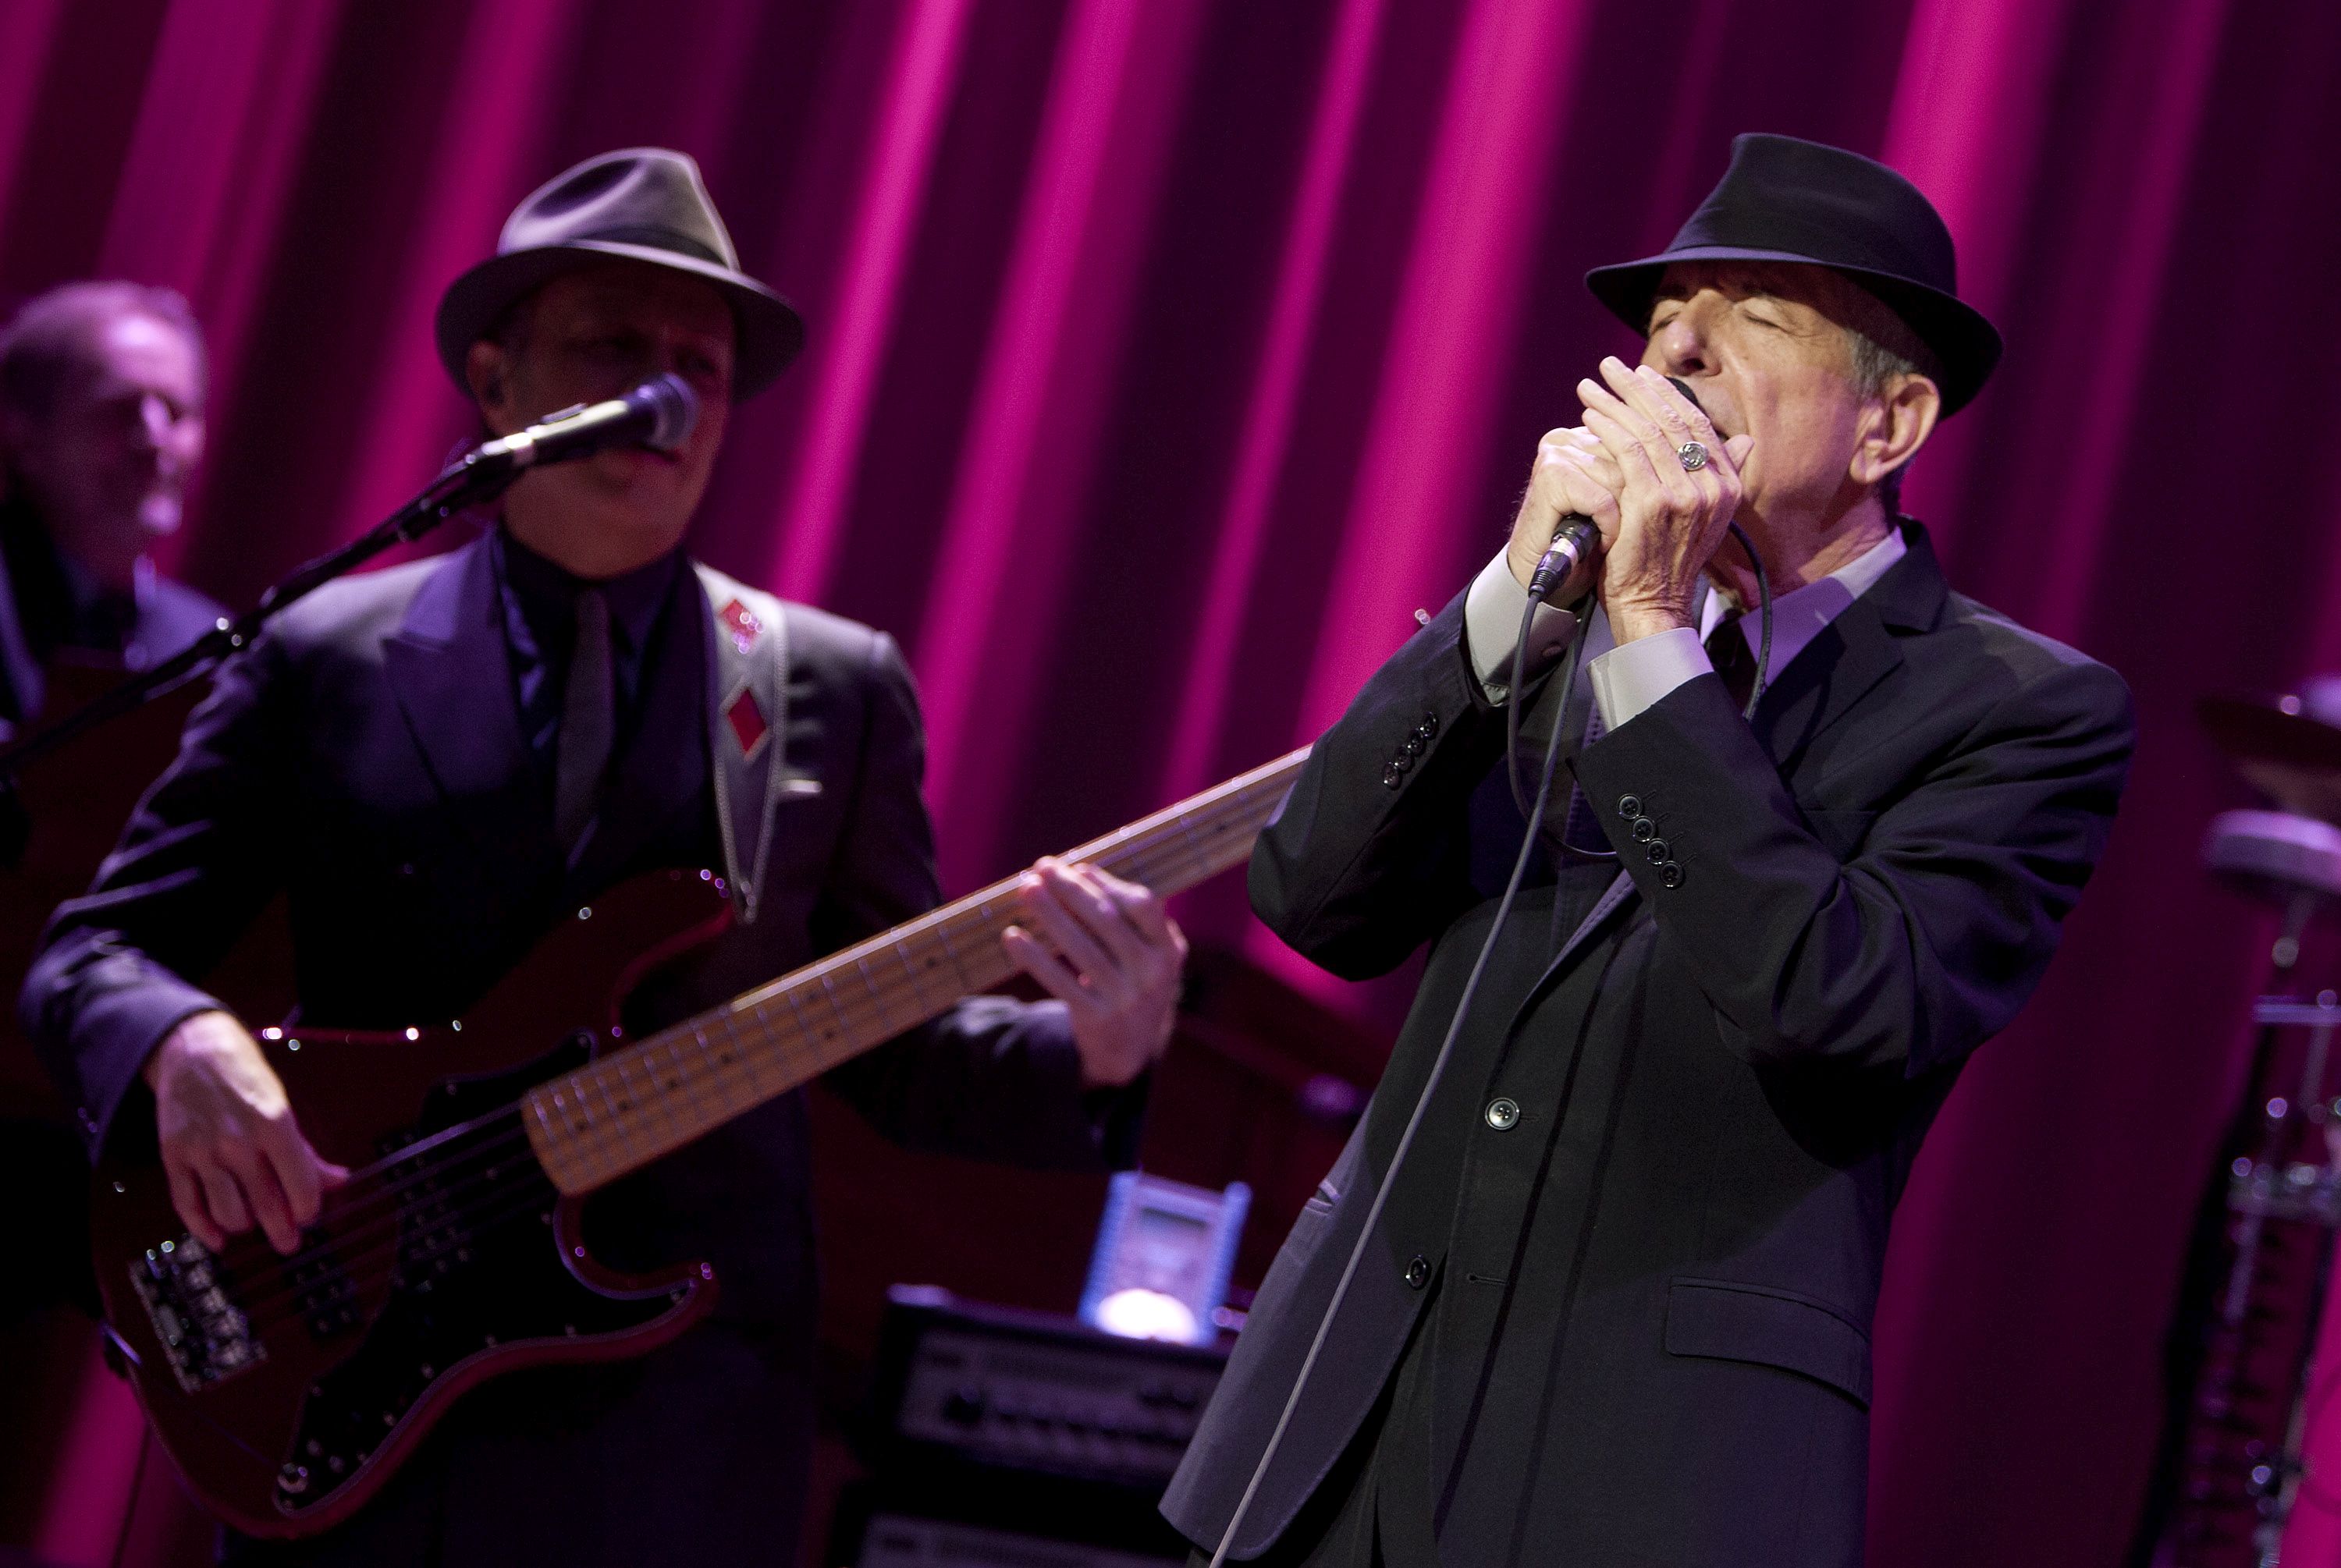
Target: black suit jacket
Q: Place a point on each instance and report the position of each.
(1649, 1294)
(365, 758)
(48, 605)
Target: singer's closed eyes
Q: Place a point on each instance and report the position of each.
(1793, 826)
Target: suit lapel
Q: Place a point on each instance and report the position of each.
(1836, 670)
(1852, 656)
(448, 671)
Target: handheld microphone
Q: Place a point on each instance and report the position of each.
(658, 415)
(1570, 562)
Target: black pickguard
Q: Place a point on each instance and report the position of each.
(479, 1269)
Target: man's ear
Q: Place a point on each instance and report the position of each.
(1894, 426)
(487, 370)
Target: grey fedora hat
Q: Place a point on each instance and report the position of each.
(1788, 200)
(641, 203)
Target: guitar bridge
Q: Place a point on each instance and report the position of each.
(203, 1333)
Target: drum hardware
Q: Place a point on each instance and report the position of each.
(2240, 1392)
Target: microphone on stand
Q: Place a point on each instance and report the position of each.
(658, 415)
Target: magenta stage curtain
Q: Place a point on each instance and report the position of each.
(1166, 357)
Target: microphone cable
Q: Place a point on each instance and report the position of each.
(1430, 1087)
(1535, 815)
(1569, 681)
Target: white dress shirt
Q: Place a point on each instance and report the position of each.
(1628, 681)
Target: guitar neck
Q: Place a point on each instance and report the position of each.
(626, 1108)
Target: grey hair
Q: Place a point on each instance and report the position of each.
(1881, 349)
(52, 334)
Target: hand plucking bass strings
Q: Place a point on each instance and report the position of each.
(237, 1157)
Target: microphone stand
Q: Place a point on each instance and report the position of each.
(469, 482)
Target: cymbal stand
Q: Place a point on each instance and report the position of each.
(2266, 1245)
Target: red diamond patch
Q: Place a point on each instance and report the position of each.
(747, 721)
(741, 622)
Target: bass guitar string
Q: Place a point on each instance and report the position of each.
(363, 1190)
(595, 1143)
(255, 1255)
(880, 1008)
(384, 1261)
(274, 1280)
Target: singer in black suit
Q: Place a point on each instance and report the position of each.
(1616, 1310)
(438, 762)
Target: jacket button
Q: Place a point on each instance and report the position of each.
(1670, 875)
(1503, 1113)
(1630, 806)
(1393, 776)
(1429, 725)
(1418, 1271)
(1644, 829)
(1656, 852)
(1414, 745)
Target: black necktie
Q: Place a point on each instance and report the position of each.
(589, 722)
(1728, 650)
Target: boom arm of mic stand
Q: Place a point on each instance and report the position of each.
(466, 484)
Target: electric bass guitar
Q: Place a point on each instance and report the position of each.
(289, 1388)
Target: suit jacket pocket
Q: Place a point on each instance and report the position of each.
(1728, 1321)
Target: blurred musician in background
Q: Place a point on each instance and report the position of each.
(101, 392)
(102, 388)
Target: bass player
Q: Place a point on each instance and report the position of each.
(437, 760)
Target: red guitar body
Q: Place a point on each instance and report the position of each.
(288, 1389)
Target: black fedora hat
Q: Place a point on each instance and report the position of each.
(644, 204)
(1786, 200)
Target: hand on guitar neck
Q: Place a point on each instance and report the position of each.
(230, 1146)
(235, 1155)
(1105, 949)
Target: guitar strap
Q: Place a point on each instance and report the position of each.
(747, 735)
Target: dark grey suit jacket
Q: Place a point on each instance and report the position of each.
(365, 758)
(1650, 1296)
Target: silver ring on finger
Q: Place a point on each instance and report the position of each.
(1692, 455)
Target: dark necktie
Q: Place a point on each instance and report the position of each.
(1728, 650)
(589, 723)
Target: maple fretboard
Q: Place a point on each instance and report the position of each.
(629, 1107)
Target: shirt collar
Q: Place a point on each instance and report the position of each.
(549, 591)
(1800, 615)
